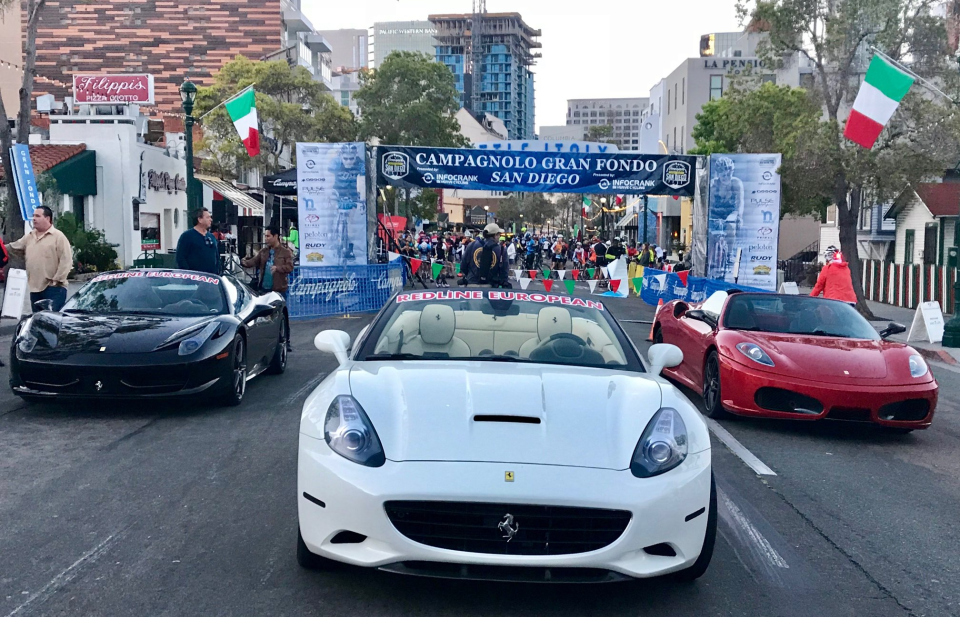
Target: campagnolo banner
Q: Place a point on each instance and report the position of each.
(744, 214)
(536, 172)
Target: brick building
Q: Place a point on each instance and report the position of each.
(170, 39)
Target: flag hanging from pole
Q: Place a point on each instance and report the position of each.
(879, 97)
(243, 111)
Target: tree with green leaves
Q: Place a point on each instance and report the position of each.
(292, 106)
(410, 100)
(770, 119)
(920, 141)
(12, 218)
(600, 132)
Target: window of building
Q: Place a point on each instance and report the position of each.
(683, 92)
(674, 96)
(683, 139)
(716, 87)
(593, 114)
(674, 137)
(771, 79)
(576, 114)
(668, 102)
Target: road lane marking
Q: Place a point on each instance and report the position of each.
(738, 448)
(69, 574)
(746, 530)
(309, 386)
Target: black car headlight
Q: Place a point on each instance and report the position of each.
(195, 342)
(27, 340)
(349, 432)
(662, 446)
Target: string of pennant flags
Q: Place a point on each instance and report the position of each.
(524, 277)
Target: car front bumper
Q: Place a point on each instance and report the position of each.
(740, 385)
(353, 498)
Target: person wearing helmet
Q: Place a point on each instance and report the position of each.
(726, 213)
(835, 281)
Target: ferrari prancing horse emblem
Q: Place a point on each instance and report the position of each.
(98, 386)
(509, 527)
(508, 476)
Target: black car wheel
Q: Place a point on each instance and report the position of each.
(712, 398)
(238, 374)
(658, 336)
(279, 362)
(699, 567)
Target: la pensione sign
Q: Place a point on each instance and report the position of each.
(113, 89)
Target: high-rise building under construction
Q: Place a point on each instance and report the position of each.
(491, 55)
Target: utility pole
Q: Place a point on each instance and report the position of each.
(645, 201)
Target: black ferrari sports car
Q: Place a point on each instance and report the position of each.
(150, 334)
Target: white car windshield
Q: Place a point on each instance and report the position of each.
(502, 326)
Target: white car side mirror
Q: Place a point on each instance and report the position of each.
(336, 342)
(664, 356)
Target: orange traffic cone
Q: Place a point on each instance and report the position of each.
(660, 304)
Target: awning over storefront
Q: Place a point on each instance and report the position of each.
(627, 220)
(283, 183)
(246, 205)
(77, 175)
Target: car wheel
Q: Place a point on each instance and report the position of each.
(658, 336)
(712, 398)
(279, 363)
(308, 560)
(238, 374)
(700, 566)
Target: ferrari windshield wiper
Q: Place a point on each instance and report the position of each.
(822, 332)
(500, 359)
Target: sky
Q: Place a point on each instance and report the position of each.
(591, 48)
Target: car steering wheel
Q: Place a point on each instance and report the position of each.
(565, 347)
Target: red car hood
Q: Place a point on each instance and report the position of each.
(820, 358)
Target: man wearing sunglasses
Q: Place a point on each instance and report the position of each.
(197, 249)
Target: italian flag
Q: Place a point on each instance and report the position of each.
(243, 111)
(878, 99)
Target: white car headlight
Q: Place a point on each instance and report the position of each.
(349, 433)
(662, 446)
(755, 353)
(918, 367)
(190, 345)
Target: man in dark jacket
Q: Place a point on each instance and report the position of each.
(485, 261)
(197, 248)
(274, 262)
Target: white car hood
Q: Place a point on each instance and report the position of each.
(424, 411)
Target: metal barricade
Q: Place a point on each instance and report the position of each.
(327, 291)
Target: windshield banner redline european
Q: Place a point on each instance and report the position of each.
(536, 172)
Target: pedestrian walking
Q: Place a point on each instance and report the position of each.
(197, 248)
(49, 259)
(274, 262)
(484, 261)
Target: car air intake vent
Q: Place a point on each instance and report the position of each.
(513, 419)
(507, 529)
(912, 410)
(777, 399)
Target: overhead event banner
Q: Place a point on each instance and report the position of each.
(331, 182)
(744, 213)
(536, 172)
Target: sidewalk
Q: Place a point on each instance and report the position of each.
(886, 313)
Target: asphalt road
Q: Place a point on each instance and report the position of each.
(191, 510)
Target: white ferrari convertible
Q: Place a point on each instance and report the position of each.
(499, 435)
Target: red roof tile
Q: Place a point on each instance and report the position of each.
(941, 199)
(45, 157)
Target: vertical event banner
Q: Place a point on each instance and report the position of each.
(25, 181)
(331, 192)
(744, 213)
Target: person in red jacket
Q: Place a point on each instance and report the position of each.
(835, 281)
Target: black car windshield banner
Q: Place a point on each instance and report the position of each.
(536, 172)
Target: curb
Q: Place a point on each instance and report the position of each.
(937, 356)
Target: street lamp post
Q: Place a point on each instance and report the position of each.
(603, 215)
(188, 95)
(951, 330)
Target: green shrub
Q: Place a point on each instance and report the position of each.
(91, 251)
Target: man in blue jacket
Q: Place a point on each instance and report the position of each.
(197, 249)
(485, 261)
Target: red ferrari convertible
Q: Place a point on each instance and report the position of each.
(784, 356)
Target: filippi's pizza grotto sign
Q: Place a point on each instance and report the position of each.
(113, 89)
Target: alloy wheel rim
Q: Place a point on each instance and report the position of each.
(240, 371)
(284, 336)
(712, 384)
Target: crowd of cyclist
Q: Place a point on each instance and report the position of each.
(527, 251)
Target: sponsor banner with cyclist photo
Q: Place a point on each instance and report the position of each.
(536, 172)
(331, 194)
(744, 213)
